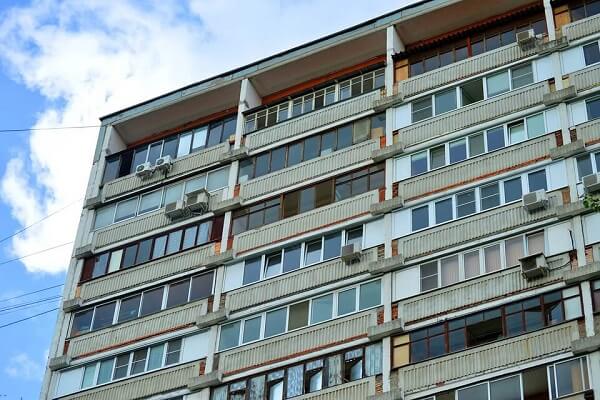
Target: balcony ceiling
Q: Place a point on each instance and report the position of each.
(320, 63)
(454, 15)
(178, 113)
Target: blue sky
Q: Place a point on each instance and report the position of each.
(68, 62)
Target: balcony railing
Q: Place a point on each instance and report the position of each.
(303, 340)
(488, 358)
(581, 28)
(305, 222)
(296, 282)
(586, 78)
(477, 226)
(589, 131)
(470, 293)
(152, 271)
(308, 169)
(139, 225)
(142, 327)
(181, 166)
(469, 170)
(313, 120)
(142, 386)
(471, 115)
(463, 69)
(353, 390)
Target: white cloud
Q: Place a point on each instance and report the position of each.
(91, 57)
(22, 366)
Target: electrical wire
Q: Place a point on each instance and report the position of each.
(28, 318)
(35, 253)
(26, 307)
(16, 306)
(40, 220)
(30, 293)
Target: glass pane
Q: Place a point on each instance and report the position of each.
(105, 371)
(497, 84)
(291, 258)
(449, 270)
(584, 166)
(230, 335)
(512, 190)
(536, 126)
(307, 199)
(421, 109)
(143, 252)
(174, 242)
(251, 329)
(139, 156)
(354, 236)
(156, 356)
(82, 322)
(298, 315)
(458, 150)
(445, 101)
(437, 157)
(490, 196)
(471, 263)
(516, 133)
(569, 378)
(100, 264)
(593, 109)
(522, 76)
(465, 203)
(217, 179)
(275, 322)
(495, 138)
(506, 389)
(492, 42)
(160, 245)
(104, 315)
(251, 271)
(429, 276)
(121, 366)
(333, 246)
(370, 295)
(443, 211)
(418, 163)
(313, 253)
(514, 251)
(173, 352)
(275, 391)
(321, 309)
(273, 265)
(129, 308)
(199, 140)
(150, 201)
(152, 301)
(178, 293)
(189, 237)
(104, 217)
(492, 258)
(88, 376)
(591, 53)
(312, 147)
(185, 142)
(129, 256)
(277, 159)
(535, 243)
(126, 209)
(295, 380)
(139, 361)
(537, 181)
(420, 218)
(201, 286)
(173, 193)
(476, 145)
(347, 302)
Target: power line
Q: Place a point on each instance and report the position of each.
(36, 253)
(16, 306)
(25, 319)
(26, 307)
(40, 220)
(29, 293)
(56, 128)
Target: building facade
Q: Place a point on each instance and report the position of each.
(390, 212)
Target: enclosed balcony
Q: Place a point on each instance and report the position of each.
(584, 27)
(586, 78)
(589, 131)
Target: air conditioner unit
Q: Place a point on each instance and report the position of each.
(526, 39)
(351, 253)
(175, 209)
(535, 200)
(591, 183)
(144, 170)
(534, 266)
(197, 201)
(163, 164)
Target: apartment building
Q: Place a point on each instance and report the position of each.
(390, 212)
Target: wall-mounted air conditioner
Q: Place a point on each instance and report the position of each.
(526, 39)
(197, 201)
(163, 164)
(144, 170)
(175, 209)
(591, 183)
(534, 266)
(351, 253)
(535, 200)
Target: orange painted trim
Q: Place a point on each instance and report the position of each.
(290, 356)
(188, 125)
(474, 26)
(304, 86)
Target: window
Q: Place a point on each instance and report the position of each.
(437, 157)
(471, 92)
(151, 301)
(421, 109)
(495, 138)
(178, 293)
(429, 276)
(321, 309)
(490, 196)
(370, 295)
(465, 203)
(275, 322)
(492, 258)
(229, 336)
(537, 181)
(445, 101)
(512, 190)
(138, 364)
(251, 271)
(443, 210)
(126, 209)
(514, 251)
(418, 163)
(471, 264)
(332, 246)
(569, 377)
(298, 315)
(591, 53)
(347, 301)
(593, 108)
(521, 76)
(173, 352)
(251, 329)
(449, 270)
(458, 150)
(313, 253)
(420, 218)
(82, 322)
(273, 265)
(354, 236)
(517, 133)
(129, 308)
(202, 286)
(476, 145)
(584, 166)
(150, 201)
(104, 316)
(291, 258)
(497, 83)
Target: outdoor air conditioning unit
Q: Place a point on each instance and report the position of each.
(591, 183)
(163, 164)
(144, 170)
(535, 200)
(534, 266)
(197, 201)
(351, 253)
(526, 39)
(175, 209)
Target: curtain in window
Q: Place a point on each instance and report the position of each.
(535, 243)
(449, 270)
(373, 358)
(257, 388)
(294, 381)
(334, 370)
(219, 393)
(514, 251)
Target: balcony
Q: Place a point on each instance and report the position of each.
(475, 227)
(581, 28)
(472, 292)
(309, 169)
(474, 114)
(140, 225)
(463, 69)
(181, 166)
(313, 120)
(167, 320)
(589, 131)
(144, 385)
(511, 157)
(353, 390)
(488, 358)
(152, 271)
(296, 282)
(305, 222)
(282, 347)
(586, 78)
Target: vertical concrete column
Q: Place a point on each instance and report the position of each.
(549, 20)
(594, 370)
(393, 46)
(588, 307)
